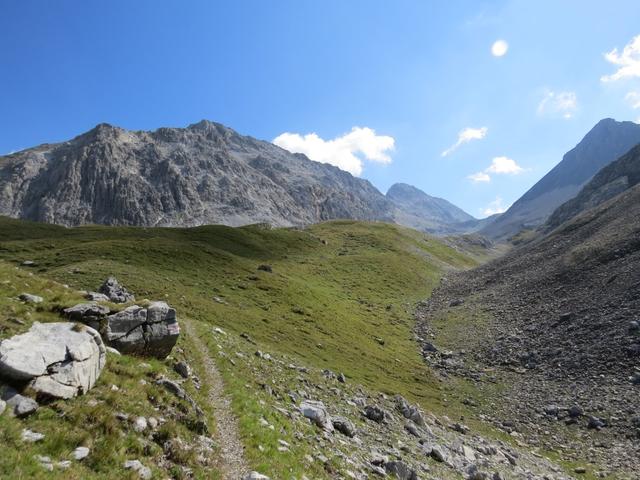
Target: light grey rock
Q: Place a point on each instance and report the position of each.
(113, 350)
(96, 297)
(140, 424)
(58, 360)
(317, 413)
(3, 406)
(255, 476)
(115, 292)
(137, 466)
(438, 453)
(29, 298)
(400, 470)
(408, 411)
(89, 313)
(151, 331)
(30, 436)
(19, 405)
(80, 453)
(28, 263)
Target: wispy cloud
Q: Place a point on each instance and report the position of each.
(562, 104)
(348, 152)
(494, 207)
(465, 136)
(500, 166)
(627, 61)
(634, 99)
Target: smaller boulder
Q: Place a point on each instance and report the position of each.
(96, 297)
(374, 413)
(80, 453)
(400, 470)
(19, 405)
(344, 426)
(317, 413)
(29, 298)
(115, 292)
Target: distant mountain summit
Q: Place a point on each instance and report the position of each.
(203, 174)
(604, 143)
(424, 212)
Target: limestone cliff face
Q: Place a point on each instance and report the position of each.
(203, 174)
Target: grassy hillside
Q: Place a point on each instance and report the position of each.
(337, 295)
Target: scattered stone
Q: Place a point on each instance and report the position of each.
(3, 406)
(88, 313)
(344, 426)
(317, 413)
(29, 263)
(400, 470)
(409, 411)
(96, 297)
(28, 298)
(20, 405)
(576, 411)
(374, 413)
(183, 369)
(30, 436)
(255, 476)
(58, 360)
(437, 453)
(140, 424)
(115, 292)
(634, 326)
(342, 378)
(580, 470)
(412, 429)
(136, 466)
(45, 462)
(80, 453)
(596, 423)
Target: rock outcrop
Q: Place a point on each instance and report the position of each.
(151, 331)
(58, 360)
(115, 292)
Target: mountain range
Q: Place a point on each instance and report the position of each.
(604, 143)
(203, 174)
(207, 173)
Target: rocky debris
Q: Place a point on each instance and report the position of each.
(374, 413)
(20, 405)
(30, 436)
(400, 470)
(137, 466)
(408, 411)
(89, 313)
(29, 298)
(149, 331)
(115, 292)
(96, 297)
(180, 392)
(140, 424)
(265, 268)
(80, 453)
(182, 368)
(344, 426)
(57, 360)
(317, 413)
(28, 263)
(255, 476)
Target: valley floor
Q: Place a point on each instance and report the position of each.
(288, 317)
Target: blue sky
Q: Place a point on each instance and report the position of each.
(361, 75)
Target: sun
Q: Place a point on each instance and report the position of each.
(499, 48)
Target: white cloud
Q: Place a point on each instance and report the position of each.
(494, 207)
(466, 136)
(504, 165)
(499, 166)
(479, 177)
(627, 61)
(558, 104)
(499, 48)
(634, 99)
(347, 152)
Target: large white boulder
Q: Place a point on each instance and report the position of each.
(59, 360)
